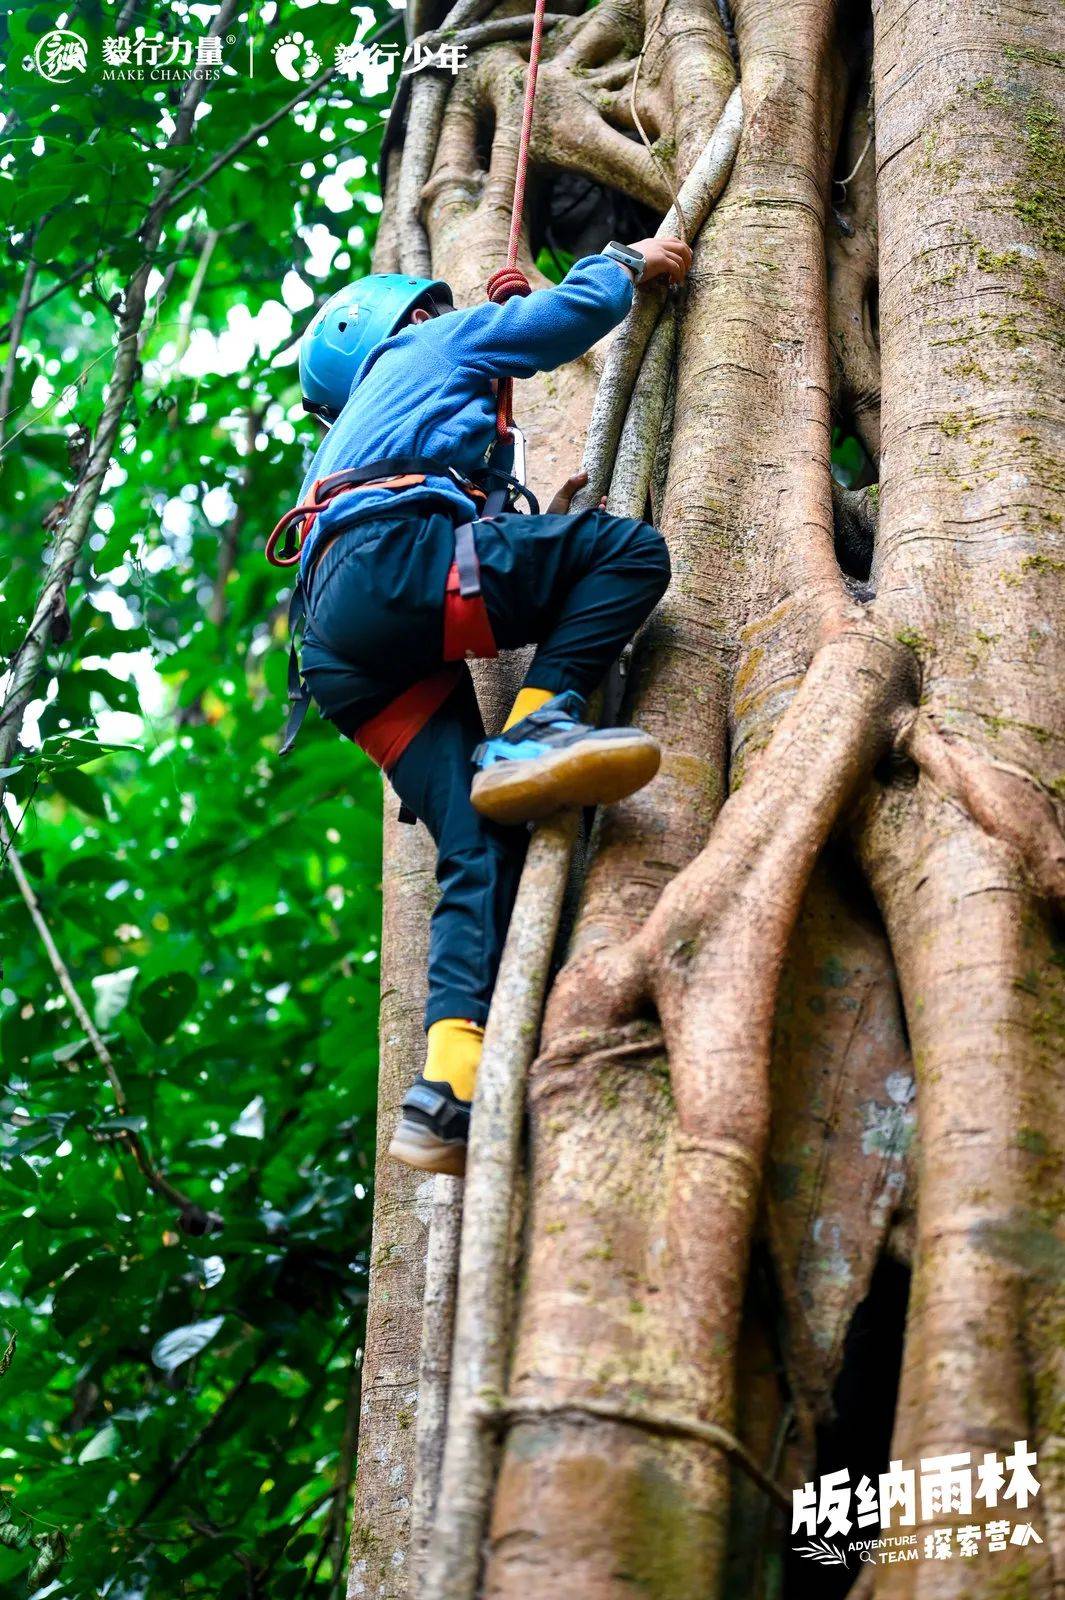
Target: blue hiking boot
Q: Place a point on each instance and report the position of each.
(550, 759)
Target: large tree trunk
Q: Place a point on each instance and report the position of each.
(844, 879)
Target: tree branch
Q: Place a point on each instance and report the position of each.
(51, 601)
(193, 1218)
(699, 191)
(206, 1433)
(434, 1367)
(479, 1364)
(16, 325)
(302, 93)
(63, 283)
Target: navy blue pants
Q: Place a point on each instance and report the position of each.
(576, 586)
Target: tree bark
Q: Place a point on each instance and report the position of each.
(827, 925)
(384, 1484)
(968, 864)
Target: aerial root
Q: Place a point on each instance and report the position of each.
(652, 1418)
(632, 1044)
(1009, 804)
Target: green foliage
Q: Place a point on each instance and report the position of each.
(554, 264)
(850, 464)
(174, 1408)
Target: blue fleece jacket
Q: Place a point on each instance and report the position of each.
(427, 390)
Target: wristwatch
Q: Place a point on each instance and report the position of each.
(632, 259)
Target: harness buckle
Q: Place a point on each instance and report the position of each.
(517, 459)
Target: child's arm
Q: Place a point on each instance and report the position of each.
(544, 330)
(541, 331)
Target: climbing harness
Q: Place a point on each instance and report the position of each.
(467, 628)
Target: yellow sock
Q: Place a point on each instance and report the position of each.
(528, 701)
(454, 1054)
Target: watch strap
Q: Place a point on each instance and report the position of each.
(634, 259)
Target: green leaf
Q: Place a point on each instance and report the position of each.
(164, 1004)
(171, 852)
(181, 1344)
(49, 1563)
(81, 790)
(101, 1446)
(71, 1050)
(112, 991)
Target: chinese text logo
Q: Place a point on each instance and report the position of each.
(945, 1487)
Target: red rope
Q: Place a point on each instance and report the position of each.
(510, 280)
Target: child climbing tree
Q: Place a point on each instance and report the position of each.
(785, 1024)
(830, 919)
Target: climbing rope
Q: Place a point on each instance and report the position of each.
(509, 281)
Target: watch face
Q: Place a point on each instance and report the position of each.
(631, 258)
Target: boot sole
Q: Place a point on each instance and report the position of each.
(417, 1147)
(595, 773)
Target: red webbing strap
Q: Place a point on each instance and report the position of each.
(510, 280)
(467, 631)
(385, 737)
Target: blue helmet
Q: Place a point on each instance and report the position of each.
(349, 326)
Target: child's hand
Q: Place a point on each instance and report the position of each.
(561, 502)
(668, 258)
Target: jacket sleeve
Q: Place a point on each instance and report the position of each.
(543, 330)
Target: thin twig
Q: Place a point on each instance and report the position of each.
(76, 521)
(664, 165)
(59, 967)
(61, 394)
(194, 1219)
(18, 322)
(76, 272)
(188, 309)
(79, 271)
(853, 173)
(290, 1533)
(303, 93)
(191, 1450)
(338, 1518)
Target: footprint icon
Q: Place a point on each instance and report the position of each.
(296, 57)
